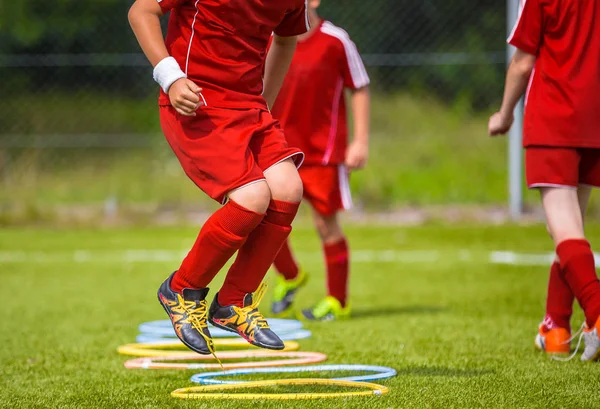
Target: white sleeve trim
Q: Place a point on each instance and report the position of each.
(306, 19)
(514, 30)
(359, 75)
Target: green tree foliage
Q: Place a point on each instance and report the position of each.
(64, 26)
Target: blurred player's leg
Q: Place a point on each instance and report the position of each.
(290, 279)
(285, 263)
(555, 330)
(576, 258)
(335, 249)
(235, 308)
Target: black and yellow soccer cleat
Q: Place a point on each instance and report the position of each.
(246, 321)
(188, 312)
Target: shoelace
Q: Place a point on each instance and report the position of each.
(197, 313)
(251, 311)
(578, 333)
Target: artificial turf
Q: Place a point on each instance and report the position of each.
(427, 301)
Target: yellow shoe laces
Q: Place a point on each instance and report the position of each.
(251, 311)
(196, 316)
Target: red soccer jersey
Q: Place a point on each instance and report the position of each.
(563, 100)
(221, 44)
(310, 105)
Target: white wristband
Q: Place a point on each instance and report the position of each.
(166, 72)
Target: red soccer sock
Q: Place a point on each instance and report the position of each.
(577, 262)
(220, 237)
(257, 254)
(337, 258)
(285, 264)
(559, 303)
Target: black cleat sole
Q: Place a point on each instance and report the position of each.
(256, 344)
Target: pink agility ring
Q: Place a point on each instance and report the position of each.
(292, 358)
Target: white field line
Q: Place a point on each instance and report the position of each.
(175, 256)
(527, 259)
(357, 256)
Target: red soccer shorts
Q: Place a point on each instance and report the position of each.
(326, 188)
(224, 149)
(557, 166)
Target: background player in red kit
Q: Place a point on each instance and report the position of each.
(558, 55)
(312, 111)
(214, 114)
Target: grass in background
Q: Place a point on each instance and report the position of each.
(426, 153)
(458, 330)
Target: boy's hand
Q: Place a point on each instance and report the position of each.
(500, 124)
(357, 155)
(185, 97)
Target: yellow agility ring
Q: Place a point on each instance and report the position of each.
(168, 348)
(216, 391)
(290, 358)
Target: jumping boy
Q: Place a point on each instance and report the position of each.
(312, 111)
(558, 55)
(214, 114)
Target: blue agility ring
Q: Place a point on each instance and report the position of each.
(381, 372)
(164, 328)
(285, 336)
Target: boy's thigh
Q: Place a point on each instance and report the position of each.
(326, 188)
(268, 143)
(213, 147)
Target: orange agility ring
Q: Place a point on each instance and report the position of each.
(284, 358)
(176, 347)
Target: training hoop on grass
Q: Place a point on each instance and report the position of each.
(285, 336)
(291, 358)
(164, 349)
(217, 391)
(380, 372)
(165, 327)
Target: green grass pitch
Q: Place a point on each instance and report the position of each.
(427, 301)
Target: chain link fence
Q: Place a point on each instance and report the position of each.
(78, 120)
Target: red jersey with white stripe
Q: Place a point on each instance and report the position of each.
(311, 105)
(563, 100)
(221, 44)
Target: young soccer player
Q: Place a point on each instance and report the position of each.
(312, 111)
(214, 113)
(558, 55)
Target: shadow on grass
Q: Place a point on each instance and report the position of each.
(433, 371)
(397, 310)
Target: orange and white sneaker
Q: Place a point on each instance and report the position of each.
(553, 341)
(591, 339)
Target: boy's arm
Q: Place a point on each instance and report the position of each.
(517, 79)
(358, 151)
(277, 64)
(144, 18)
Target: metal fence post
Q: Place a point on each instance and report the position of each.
(515, 156)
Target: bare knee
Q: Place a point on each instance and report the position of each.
(255, 196)
(329, 228)
(563, 214)
(284, 182)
